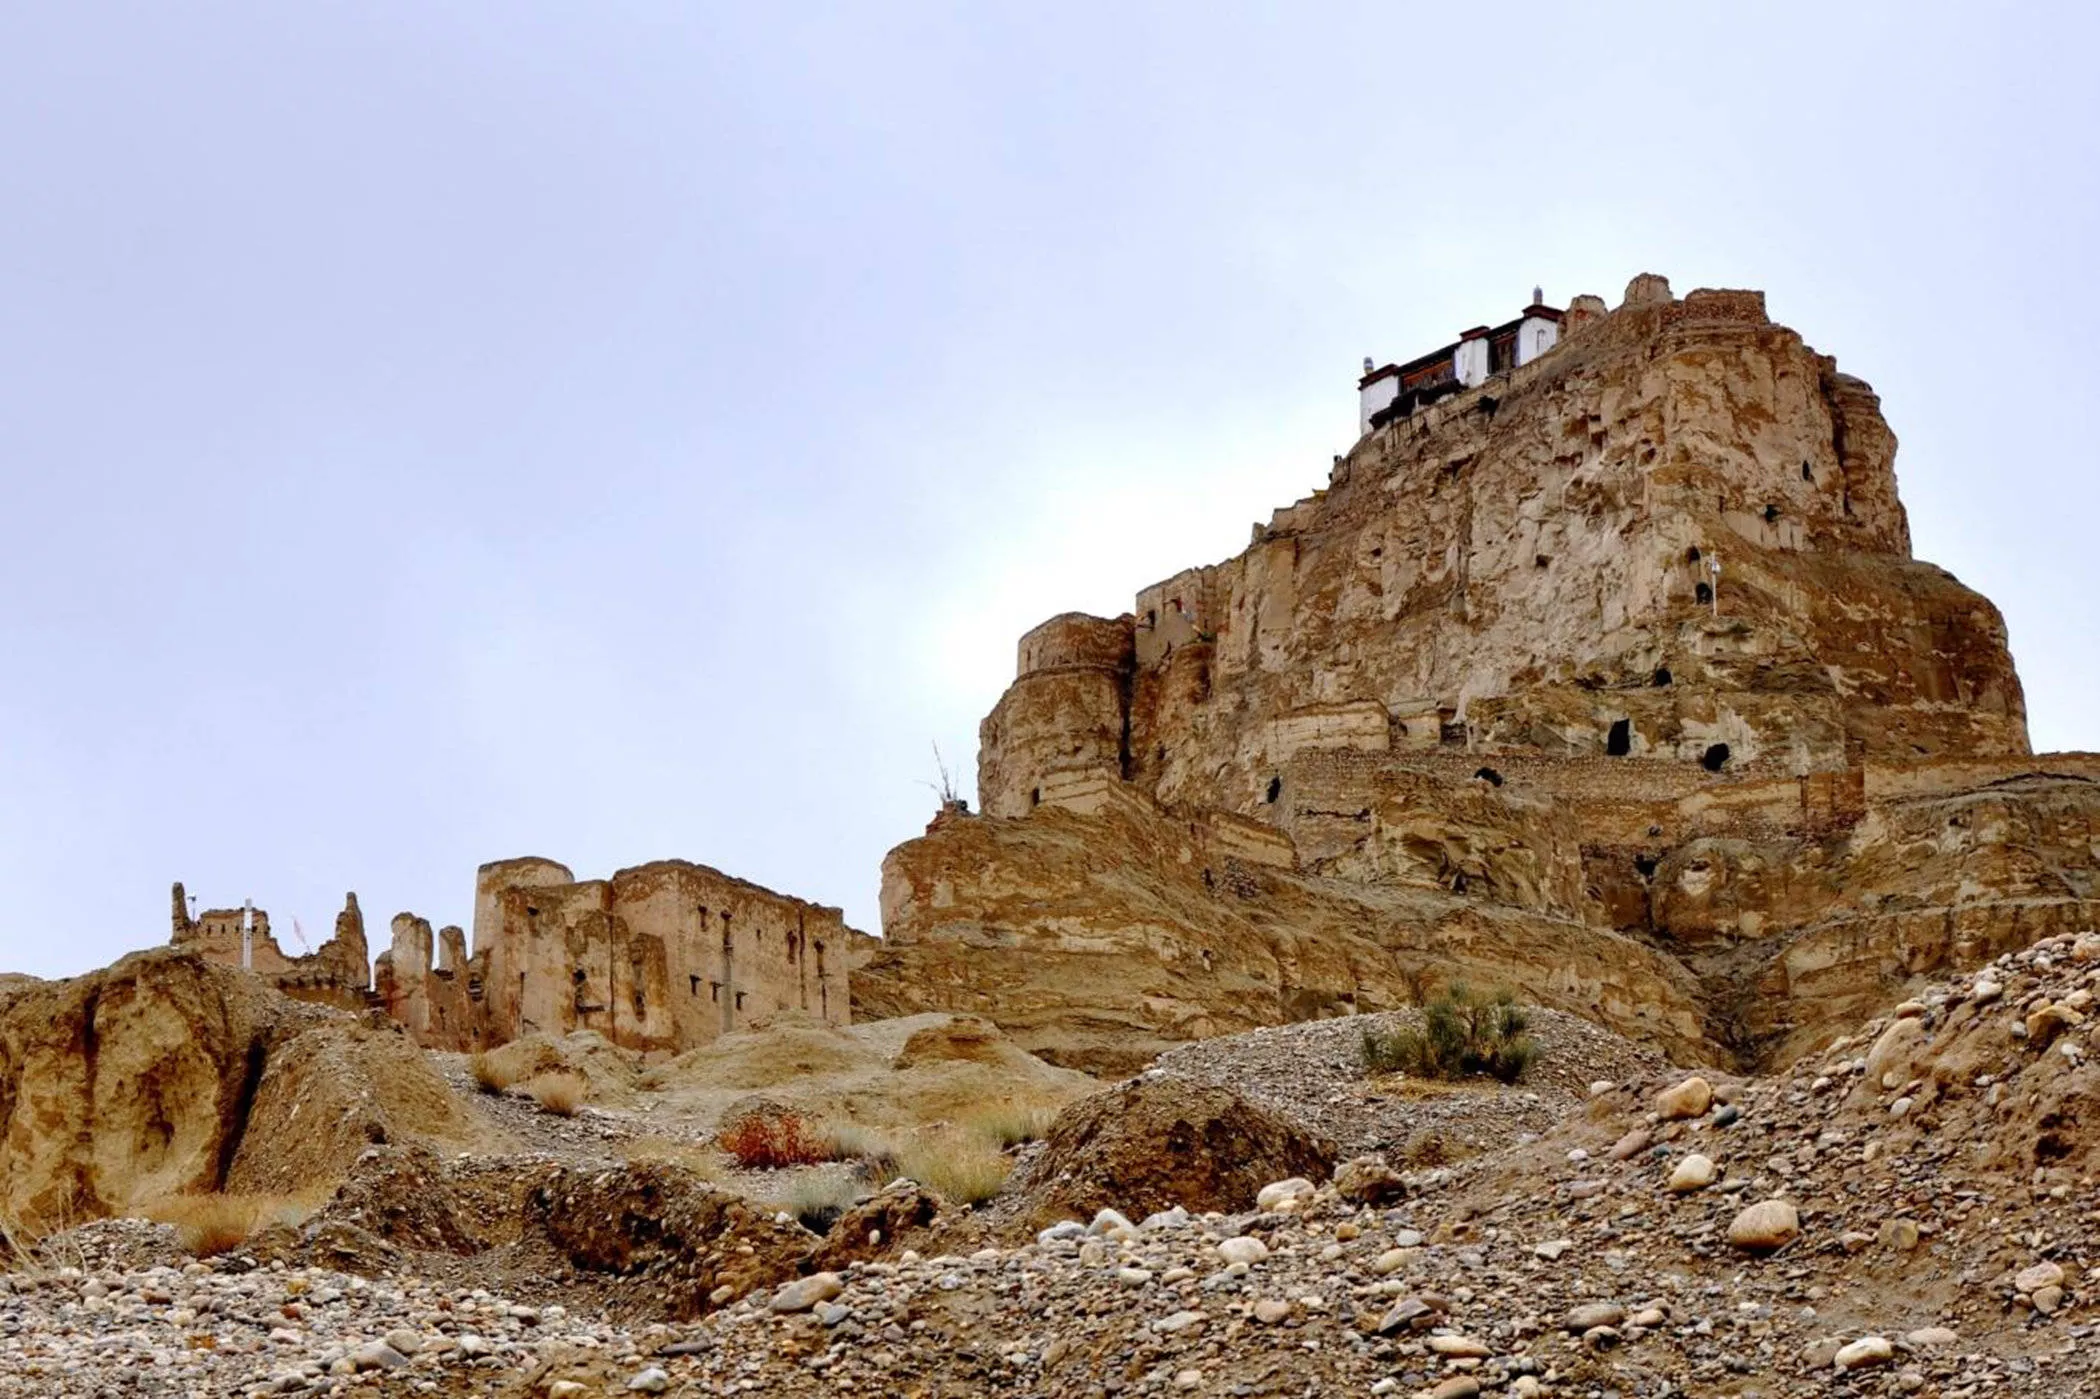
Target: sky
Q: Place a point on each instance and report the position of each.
(433, 433)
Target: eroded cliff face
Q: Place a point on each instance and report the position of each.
(169, 1075)
(1098, 940)
(1494, 659)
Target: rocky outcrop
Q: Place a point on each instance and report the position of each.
(1477, 710)
(1097, 941)
(1159, 1142)
(660, 1224)
(167, 1075)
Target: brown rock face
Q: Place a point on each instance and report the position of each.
(167, 1075)
(1484, 707)
(1157, 1142)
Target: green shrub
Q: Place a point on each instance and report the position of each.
(1462, 1033)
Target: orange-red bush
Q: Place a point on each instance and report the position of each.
(768, 1141)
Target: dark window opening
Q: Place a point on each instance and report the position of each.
(1703, 593)
(1540, 560)
(531, 912)
(739, 1000)
(1771, 514)
(1378, 553)
(714, 991)
(1662, 676)
(1035, 798)
(1646, 865)
(694, 982)
(577, 976)
(1489, 776)
(1275, 789)
(1715, 758)
(1151, 618)
(1691, 555)
(1808, 473)
(1619, 742)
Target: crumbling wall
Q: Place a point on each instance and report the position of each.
(661, 956)
(335, 974)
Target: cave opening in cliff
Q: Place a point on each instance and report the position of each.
(1703, 594)
(1808, 473)
(1691, 555)
(1645, 864)
(1035, 797)
(1275, 789)
(1619, 742)
(1489, 776)
(1662, 676)
(1715, 758)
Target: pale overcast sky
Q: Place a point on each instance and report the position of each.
(432, 433)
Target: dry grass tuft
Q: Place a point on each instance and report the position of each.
(490, 1075)
(960, 1167)
(697, 1158)
(209, 1225)
(849, 1141)
(1007, 1125)
(817, 1198)
(560, 1093)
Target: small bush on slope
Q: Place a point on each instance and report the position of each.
(1463, 1032)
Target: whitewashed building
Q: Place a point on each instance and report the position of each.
(1395, 390)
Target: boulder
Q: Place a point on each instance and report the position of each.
(1690, 1098)
(1765, 1227)
(1694, 1172)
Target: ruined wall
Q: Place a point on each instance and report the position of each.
(335, 974)
(662, 956)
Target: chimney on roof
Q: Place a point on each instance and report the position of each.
(1538, 296)
(1367, 364)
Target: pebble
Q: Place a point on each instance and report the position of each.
(1694, 1172)
(1765, 1227)
(804, 1293)
(1867, 1350)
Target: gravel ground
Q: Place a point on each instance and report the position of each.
(1313, 1073)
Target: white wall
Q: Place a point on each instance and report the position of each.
(1375, 396)
(1534, 337)
(1470, 361)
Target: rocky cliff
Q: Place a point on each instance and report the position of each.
(1611, 677)
(168, 1075)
